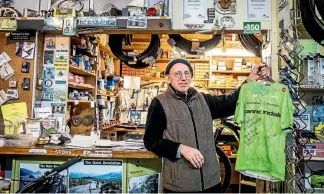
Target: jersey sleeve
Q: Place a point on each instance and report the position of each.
(287, 110)
(239, 110)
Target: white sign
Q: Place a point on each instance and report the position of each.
(37, 151)
(103, 153)
(258, 10)
(194, 11)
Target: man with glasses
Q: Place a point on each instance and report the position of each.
(179, 129)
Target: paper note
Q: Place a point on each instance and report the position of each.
(14, 113)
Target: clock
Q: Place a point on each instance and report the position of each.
(225, 7)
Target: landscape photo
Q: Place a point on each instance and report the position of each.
(29, 172)
(96, 176)
(144, 184)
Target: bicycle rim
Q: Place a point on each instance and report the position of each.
(223, 159)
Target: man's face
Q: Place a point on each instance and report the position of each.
(180, 77)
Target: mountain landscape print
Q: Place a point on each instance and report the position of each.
(96, 176)
(29, 172)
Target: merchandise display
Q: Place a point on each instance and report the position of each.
(264, 111)
(78, 78)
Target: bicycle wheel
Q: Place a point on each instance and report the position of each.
(223, 159)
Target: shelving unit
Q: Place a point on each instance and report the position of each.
(80, 86)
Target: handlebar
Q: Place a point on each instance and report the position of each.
(65, 165)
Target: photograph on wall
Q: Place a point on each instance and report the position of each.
(28, 50)
(144, 184)
(137, 22)
(48, 57)
(96, 176)
(31, 171)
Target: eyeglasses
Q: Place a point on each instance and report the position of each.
(179, 74)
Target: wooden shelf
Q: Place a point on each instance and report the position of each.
(233, 72)
(249, 183)
(116, 129)
(80, 87)
(190, 60)
(80, 101)
(222, 88)
(80, 71)
(194, 79)
(69, 152)
(106, 49)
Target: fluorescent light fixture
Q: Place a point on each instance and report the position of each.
(229, 52)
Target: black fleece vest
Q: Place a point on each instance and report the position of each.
(189, 123)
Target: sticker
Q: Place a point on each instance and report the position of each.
(48, 57)
(92, 104)
(37, 151)
(252, 27)
(227, 21)
(63, 152)
(283, 89)
(103, 153)
(76, 102)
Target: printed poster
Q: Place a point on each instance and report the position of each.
(144, 184)
(258, 10)
(96, 176)
(13, 114)
(194, 11)
(31, 171)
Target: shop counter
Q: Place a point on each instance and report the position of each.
(99, 171)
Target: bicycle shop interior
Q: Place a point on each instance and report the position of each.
(79, 79)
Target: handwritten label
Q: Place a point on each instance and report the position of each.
(37, 151)
(63, 152)
(103, 153)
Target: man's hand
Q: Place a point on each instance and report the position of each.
(257, 71)
(192, 155)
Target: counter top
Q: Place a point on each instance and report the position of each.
(82, 152)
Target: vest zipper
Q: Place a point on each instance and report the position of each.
(197, 144)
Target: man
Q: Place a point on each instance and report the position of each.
(179, 129)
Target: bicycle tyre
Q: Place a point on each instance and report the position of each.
(320, 7)
(227, 166)
(185, 45)
(115, 43)
(311, 22)
(251, 44)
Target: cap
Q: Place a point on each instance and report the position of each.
(175, 61)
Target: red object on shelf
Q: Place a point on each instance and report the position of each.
(151, 11)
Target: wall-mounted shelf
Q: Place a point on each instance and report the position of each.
(232, 72)
(80, 71)
(80, 86)
(221, 88)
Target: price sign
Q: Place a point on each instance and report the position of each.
(310, 150)
(252, 27)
